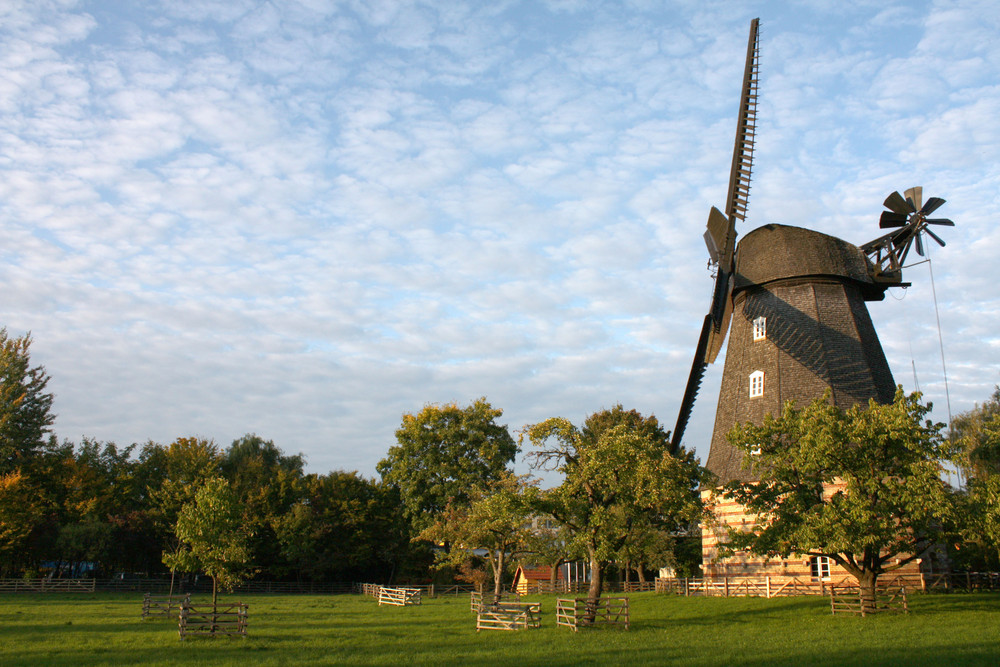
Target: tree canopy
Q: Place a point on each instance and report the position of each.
(619, 477)
(861, 486)
(213, 537)
(496, 521)
(25, 405)
(977, 432)
(444, 452)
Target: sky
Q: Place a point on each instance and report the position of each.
(303, 219)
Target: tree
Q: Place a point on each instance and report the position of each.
(445, 452)
(618, 473)
(977, 432)
(268, 483)
(21, 512)
(25, 406)
(212, 537)
(174, 474)
(863, 486)
(981, 525)
(345, 527)
(496, 521)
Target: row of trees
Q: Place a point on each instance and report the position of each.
(118, 509)
(625, 496)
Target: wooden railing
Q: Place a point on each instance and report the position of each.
(46, 585)
(579, 612)
(770, 587)
(165, 606)
(509, 616)
(212, 620)
(399, 597)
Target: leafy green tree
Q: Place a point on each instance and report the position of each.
(618, 473)
(444, 453)
(861, 486)
(981, 525)
(345, 527)
(268, 483)
(212, 536)
(977, 432)
(25, 405)
(496, 521)
(175, 473)
(22, 511)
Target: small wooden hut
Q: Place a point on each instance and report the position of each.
(532, 579)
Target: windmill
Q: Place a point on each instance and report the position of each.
(792, 301)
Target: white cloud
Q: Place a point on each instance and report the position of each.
(305, 219)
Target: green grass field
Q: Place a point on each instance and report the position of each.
(106, 629)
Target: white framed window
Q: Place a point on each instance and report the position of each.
(819, 568)
(760, 328)
(756, 384)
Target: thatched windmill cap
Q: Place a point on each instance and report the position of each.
(780, 252)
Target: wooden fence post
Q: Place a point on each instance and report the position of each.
(767, 582)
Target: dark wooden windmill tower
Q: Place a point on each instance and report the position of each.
(795, 302)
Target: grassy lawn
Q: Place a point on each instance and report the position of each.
(105, 629)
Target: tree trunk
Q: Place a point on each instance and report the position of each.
(594, 591)
(554, 575)
(628, 574)
(498, 577)
(642, 575)
(867, 582)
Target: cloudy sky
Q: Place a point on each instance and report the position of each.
(302, 219)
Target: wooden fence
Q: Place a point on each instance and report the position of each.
(398, 597)
(47, 585)
(848, 600)
(164, 606)
(578, 612)
(212, 620)
(770, 587)
(509, 616)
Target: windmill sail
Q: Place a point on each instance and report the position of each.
(721, 237)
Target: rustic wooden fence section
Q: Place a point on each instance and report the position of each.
(848, 600)
(164, 606)
(577, 612)
(371, 590)
(399, 597)
(212, 620)
(476, 599)
(509, 616)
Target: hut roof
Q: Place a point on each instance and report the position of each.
(542, 573)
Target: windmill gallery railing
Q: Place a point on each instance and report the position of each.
(769, 587)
